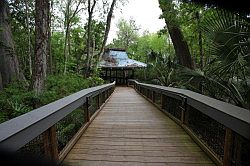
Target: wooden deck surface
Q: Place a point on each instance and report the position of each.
(130, 131)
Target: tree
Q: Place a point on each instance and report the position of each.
(22, 25)
(9, 65)
(127, 33)
(180, 45)
(147, 44)
(27, 18)
(41, 44)
(69, 15)
(107, 29)
(91, 7)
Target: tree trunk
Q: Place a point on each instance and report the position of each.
(50, 58)
(9, 65)
(68, 20)
(200, 40)
(67, 23)
(1, 82)
(180, 46)
(29, 36)
(41, 44)
(107, 29)
(66, 51)
(89, 31)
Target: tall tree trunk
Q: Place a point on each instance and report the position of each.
(29, 36)
(49, 54)
(89, 32)
(1, 82)
(180, 45)
(200, 40)
(41, 44)
(67, 23)
(68, 20)
(107, 29)
(9, 65)
(66, 51)
(93, 50)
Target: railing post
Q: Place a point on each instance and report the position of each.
(153, 96)
(98, 101)
(183, 109)
(228, 147)
(105, 94)
(163, 101)
(186, 115)
(103, 97)
(50, 143)
(87, 117)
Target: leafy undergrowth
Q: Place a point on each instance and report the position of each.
(16, 99)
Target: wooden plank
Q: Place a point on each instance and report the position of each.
(131, 131)
(137, 143)
(144, 159)
(113, 163)
(147, 153)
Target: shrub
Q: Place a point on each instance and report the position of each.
(16, 99)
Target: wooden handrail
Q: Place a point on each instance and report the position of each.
(231, 116)
(235, 121)
(19, 131)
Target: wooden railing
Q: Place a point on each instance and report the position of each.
(53, 129)
(222, 130)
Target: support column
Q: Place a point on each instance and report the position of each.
(50, 143)
(228, 148)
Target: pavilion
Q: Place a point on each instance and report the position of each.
(116, 66)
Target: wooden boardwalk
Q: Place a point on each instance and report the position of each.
(130, 131)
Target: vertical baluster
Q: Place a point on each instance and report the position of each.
(87, 116)
(183, 109)
(98, 101)
(186, 115)
(153, 96)
(163, 101)
(50, 143)
(228, 147)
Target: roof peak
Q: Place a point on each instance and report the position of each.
(115, 49)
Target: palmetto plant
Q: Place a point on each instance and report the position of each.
(229, 35)
(165, 68)
(226, 75)
(18, 108)
(205, 82)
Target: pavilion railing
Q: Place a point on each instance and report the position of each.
(53, 129)
(221, 129)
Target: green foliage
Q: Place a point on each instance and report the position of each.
(3, 117)
(148, 45)
(225, 46)
(16, 99)
(170, 11)
(68, 127)
(57, 41)
(127, 34)
(20, 31)
(229, 43)
(18, 108)
(98, 33)
(65, 133)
